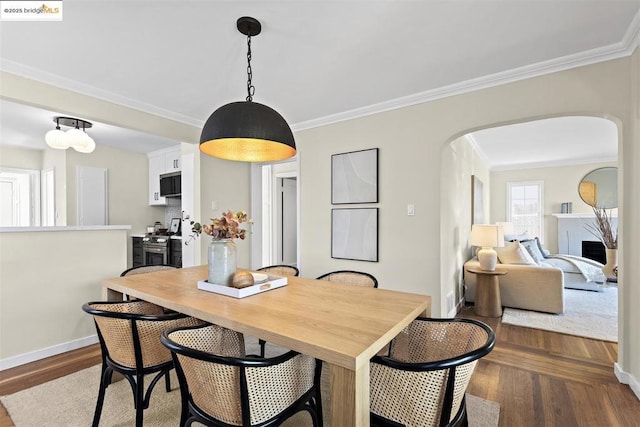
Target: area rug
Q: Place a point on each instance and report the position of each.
(586, 314)
(70, 401)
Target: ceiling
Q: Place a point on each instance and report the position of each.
(315, 62)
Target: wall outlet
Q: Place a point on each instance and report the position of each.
(411, 210)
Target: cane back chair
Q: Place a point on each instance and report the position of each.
(222, 389)
(129, 334)
(422, 381)
(146, 269)
(349, 277)
(280, 270)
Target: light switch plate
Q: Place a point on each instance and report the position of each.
(411, 210)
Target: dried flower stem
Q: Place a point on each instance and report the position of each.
(602, 228)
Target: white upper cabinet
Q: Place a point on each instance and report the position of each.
(173, 161)
(161, 162)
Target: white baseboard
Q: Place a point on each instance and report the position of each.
(21, 359)
(627, 378)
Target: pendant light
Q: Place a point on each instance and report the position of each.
(74, 137)
(247, 131)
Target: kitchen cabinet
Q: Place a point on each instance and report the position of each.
(175, 251)
(161, 162)
(138, 257)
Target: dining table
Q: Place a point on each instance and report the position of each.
(344, 326)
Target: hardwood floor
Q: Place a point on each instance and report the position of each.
(539, 378)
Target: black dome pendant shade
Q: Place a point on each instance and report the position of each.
(247, 131)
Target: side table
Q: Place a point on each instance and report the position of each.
(488, 302)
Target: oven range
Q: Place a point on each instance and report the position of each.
(155, 249)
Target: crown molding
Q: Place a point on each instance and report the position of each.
(92, 91)
(551, 163)
(624, 48)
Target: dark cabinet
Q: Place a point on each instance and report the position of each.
(175, 251)
(138, 256)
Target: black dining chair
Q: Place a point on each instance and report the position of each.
(222, 387)
(422, 380)
(129, 334)
(350, 277)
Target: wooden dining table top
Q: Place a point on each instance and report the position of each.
(340, 324)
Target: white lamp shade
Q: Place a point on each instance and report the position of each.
(487, 236)
(76, 138)
(87, 146)
(56, 139)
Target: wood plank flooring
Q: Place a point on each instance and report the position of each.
(546, 379)
(539, 378)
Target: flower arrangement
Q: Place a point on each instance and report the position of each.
(602, 228)
(225, 227)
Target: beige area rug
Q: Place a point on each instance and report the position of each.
(587, 314)
(70, 401)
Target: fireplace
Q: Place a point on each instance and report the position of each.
(594, 251)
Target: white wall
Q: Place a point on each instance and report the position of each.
(459, 162)
(15, 157)
(412, 257)
(560, 185)
(224, 185)
(45, 277)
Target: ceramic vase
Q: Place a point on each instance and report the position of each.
(612, 263)
(222, 261)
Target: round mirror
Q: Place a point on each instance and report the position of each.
(599, 188)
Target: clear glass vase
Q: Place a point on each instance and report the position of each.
(222, 261)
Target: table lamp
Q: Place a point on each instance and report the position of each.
(487, 237)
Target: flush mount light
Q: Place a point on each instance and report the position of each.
(247, 131)
(74, 137)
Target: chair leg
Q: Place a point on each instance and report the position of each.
(167, 381)
(139, 399)
(263, 344)
(105, 380)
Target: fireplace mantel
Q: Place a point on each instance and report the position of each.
(572, 231)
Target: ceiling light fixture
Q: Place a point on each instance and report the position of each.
(74, 137)
(246, 130)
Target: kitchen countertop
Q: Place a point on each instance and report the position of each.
(173, 236)
(64, 228)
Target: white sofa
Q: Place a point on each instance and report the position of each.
(529, 287)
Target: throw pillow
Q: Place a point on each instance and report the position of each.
(533, 249)
(514, 237)
(545, 253)
(514, 253)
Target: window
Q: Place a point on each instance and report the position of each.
(525, 208)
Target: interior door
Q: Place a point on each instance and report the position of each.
(287, 216)
(92, 196)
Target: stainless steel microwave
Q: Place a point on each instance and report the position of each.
(171, 184)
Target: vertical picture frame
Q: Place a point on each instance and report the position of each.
(354, 177)
(354, 234)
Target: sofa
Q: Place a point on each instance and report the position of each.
(525, 286)
(536, 279)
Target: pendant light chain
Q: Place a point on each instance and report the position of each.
(251, 90)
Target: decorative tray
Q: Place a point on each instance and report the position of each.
(271, 282)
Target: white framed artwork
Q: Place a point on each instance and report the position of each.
(354, 177)
(354, 234)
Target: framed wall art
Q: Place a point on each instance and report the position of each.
(477, 204)
(354, 234)
(354, 177)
